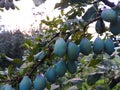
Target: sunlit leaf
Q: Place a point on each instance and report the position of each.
(48, 86)
(10, 70)
(17, 61)
(96, 60)
(105, 87)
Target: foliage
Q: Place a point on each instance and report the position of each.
(86, 64)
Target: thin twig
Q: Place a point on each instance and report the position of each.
(97, 18)
(114, 82)
(108, 3)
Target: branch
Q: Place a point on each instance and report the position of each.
(114, 82)
(91, 22)
(108, 3)
(38, 63)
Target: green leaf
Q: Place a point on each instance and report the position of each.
(89, 14)
(17, 7)
(94, 77)
(17, 61)
(105, 87)
(48, 18)
(38, 2)
(28, 41)
(117, 58)
(48, 86)
(1, 10)
(30, 58)
(95, 61)
(2, 76)
(39, 55)
(10, 70)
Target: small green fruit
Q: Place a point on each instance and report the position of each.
(39, 83)
(109, 46)
(72, 66)
(60, 47)
(61, 68)
(109, 15)
(25, 84)
(85, 46)
(51, 75)
(72, 51)
(98, 46)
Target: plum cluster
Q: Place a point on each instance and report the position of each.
(99, 46)
(72, 51)
(51, 76)
(7, 4)
(85, 47)
(112, 16)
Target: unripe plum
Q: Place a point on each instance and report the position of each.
(39, 82)
(25, 84)
(61, 68)
(51, 75)
(109, 46)
(109, 15)
(72, 51)
(72, 66)
(85, 46)
(60, 47)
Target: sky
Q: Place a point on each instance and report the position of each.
(23, 18)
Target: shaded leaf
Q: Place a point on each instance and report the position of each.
(106, 87)
(48, 86)
(10, 70)
(95, 61)
(30, 58)
(94, 77)
(89, 14)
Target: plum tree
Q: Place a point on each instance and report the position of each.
(66, 50)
